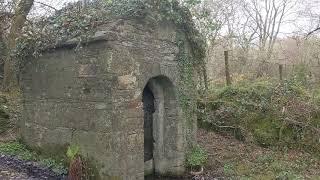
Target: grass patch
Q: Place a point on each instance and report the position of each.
(197, 157)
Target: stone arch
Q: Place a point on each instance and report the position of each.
(167, 129)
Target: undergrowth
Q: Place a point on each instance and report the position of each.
(197, 157)
(266, 112)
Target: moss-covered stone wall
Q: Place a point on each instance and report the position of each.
(91, 96)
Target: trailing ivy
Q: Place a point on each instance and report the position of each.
(188, 64)
(182, 17)
(74, 21)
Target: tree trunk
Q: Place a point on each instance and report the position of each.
(226, 60)
(205, 76)
(10, 80)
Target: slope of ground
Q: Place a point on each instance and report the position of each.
(233, 159)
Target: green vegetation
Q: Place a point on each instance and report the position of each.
(72, 152)
(197, 157)
(271, 166)
(269, 113)
(73, 21)
(78, 166)
(21, 151)
(17, 149)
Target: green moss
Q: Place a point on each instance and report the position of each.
(265, 132)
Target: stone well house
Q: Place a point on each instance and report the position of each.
(116, 98)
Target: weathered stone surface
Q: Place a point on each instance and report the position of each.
(127, 82)
(93, 98)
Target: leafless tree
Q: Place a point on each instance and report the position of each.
(268, 17)
(310, 12)
(264, 19)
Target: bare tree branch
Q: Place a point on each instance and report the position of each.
(313, 31)
(46, 5)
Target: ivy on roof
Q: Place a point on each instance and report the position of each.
(74, 21)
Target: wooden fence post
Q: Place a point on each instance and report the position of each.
(227, 70)
(281, 71)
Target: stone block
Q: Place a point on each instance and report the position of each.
(59, 136)
(126, 82)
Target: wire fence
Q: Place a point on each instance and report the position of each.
(251, 69)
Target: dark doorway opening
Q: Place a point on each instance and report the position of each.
(164, 137)
(148, 108)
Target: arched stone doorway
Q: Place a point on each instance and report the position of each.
(163, 128)
(148, 109)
